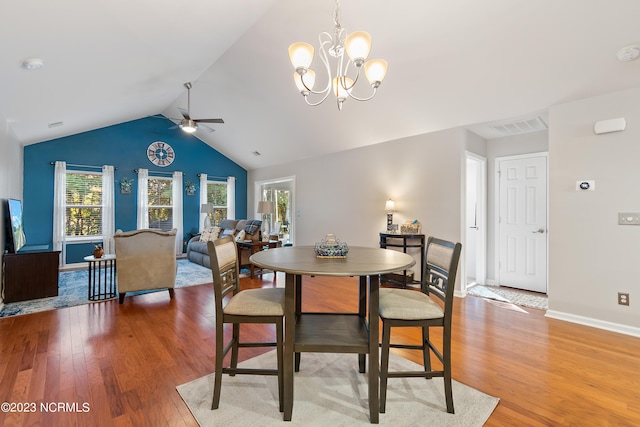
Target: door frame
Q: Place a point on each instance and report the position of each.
(497, 210)
(481, 242)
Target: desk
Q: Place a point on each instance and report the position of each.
(256, 246)
(102, 285)
(318, 332)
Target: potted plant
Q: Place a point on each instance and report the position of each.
(97, 251)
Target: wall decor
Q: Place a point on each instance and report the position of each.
(125, 185)
(190, 188)
(160, 154)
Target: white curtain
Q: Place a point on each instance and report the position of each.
(203, 198)
(108, 210)
(177, 210)
(143, 199)
(59, 209)
(231, 197)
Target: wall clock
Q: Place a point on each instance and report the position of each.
(160, 154)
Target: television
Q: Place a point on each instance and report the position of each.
(15, 237)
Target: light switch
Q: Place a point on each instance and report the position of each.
(629, 218)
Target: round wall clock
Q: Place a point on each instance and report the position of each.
(160, 154)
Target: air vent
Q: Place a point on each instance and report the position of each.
(520, 126)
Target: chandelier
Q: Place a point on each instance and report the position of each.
(357, 46)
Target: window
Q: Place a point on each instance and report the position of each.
(160, 193)
(83, 204)
(217, 196)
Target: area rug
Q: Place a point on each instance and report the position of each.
(329, 391)
(72, 289)
(510, 296)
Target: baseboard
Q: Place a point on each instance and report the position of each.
(596, 323)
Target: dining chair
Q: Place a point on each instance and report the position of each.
(265, 305)
(429, 307)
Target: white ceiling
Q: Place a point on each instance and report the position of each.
(451, 63)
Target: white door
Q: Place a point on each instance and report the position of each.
(523, 222)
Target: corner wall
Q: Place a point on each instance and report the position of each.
(591, 257)
(10, 177)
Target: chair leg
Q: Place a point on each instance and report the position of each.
(384, 364)
(280, 355)
(217, 381)
(426, 351)
(234, 347)
(121, 297)
(171, 293)
(296, 362)
(446, 356)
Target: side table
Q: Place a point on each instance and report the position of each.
(102, 277)
(388, 240)
(256, 246)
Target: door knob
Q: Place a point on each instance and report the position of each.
(539, 230)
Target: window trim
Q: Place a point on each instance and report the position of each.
(91, 237)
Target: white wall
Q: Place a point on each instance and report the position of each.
(11, 165)
(591, 257)
(345, 193)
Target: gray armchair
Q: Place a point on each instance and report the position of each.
(146, 260)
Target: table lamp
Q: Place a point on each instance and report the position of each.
(390, 207)
(206, 209)
(265, 208)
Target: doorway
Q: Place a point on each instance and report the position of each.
(522, 221)
(475, 233)
(281, 192)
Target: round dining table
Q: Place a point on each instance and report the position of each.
(332, 332)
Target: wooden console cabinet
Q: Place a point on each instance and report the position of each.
(30, 275)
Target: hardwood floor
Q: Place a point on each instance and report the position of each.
(125, 361)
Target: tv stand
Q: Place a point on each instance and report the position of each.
(30, 275)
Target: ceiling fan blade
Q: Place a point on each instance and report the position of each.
(185, 113)
(209, 121)
(206, 128)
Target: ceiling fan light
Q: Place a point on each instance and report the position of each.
(358, 45)
(301, 55)
(189, 126)
(376, 70)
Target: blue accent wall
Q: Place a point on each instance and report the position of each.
(125, 147)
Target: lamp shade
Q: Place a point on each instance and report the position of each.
(376, 70)
(390, 206)
(309, 80)
(358, 45)
(265, 207)
(301, 55)
(206, 208)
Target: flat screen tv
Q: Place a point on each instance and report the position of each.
(15, 237)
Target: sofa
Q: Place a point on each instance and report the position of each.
(242, 229)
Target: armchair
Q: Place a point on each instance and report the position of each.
(146, 260)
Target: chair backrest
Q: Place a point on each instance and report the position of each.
(441, 266)
(225, 270)
(146, 259)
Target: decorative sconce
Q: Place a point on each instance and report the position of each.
(125, 185)
(190, 188)
(390, 207)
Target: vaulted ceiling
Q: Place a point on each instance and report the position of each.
(451, 63)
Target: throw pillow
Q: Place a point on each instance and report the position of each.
(209, 234)
(252, 226)
(240, 236)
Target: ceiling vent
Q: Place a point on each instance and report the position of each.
(516, 127)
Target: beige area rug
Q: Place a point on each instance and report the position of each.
(329, 391)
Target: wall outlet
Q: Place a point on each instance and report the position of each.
(623, 298)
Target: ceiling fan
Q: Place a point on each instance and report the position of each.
(188, 124)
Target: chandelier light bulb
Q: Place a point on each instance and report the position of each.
(358, 45)
(301, 55)
(305, 81)
(376, 70)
